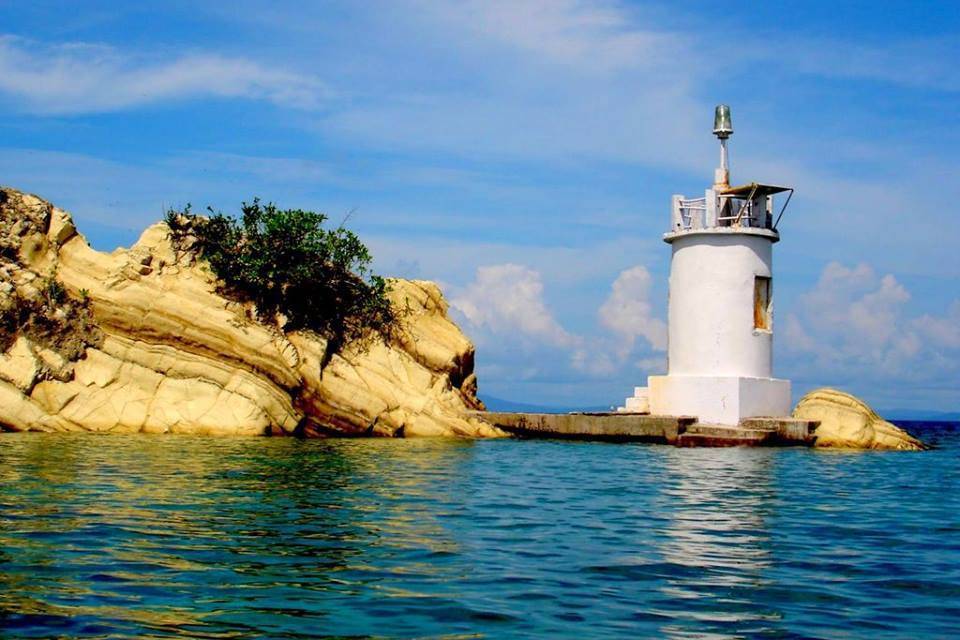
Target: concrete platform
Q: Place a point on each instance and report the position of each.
(752, 432)
(684, 431)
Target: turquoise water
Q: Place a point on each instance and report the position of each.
(180, 537)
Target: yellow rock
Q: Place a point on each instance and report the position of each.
(19, 366)
(847, 422)
(52, 360)
(61, 227)
(19, 412)
(177, 357)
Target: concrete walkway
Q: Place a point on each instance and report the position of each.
(684, 431)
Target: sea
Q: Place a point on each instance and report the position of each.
(183, 537)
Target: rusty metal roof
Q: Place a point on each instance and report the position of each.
(754, 188)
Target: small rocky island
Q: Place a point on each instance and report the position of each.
(144, 340)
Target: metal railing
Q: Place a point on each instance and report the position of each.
(692, 213)
(729, 211)
(749, 206)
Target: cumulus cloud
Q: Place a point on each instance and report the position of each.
(856, 305)
(944, 331)
(507, 299)
(628, 315)
(855, 323)
(853, 329)
(627, 311)
(505, 306)
(89, 78)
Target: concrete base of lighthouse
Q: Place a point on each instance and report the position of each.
(724, 400)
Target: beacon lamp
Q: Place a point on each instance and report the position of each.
(722, 124)
(723, 129)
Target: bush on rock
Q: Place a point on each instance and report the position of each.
(285, 262)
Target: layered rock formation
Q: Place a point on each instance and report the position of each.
(141, 341)
(847, 422)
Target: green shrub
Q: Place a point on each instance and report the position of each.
(54, 292)
(285, 262)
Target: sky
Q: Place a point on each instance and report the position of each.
(523, 153)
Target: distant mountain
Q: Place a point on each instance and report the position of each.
(921, 415)
(499, 404)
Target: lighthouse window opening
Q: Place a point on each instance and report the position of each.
(762, 303)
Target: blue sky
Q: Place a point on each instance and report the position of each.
(523, 154)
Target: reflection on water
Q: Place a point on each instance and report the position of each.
(718, 538)
(183, 537)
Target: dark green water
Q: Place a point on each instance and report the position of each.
(180, 537)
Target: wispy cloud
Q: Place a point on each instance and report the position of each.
(583, 36)
(561, 81)
(78, 78)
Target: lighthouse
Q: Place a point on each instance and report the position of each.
(720, 308)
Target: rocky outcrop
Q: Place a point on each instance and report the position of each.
(141, 341)
(847, 422)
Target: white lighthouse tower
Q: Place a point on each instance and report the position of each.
(720, 310)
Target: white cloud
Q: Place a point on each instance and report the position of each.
(505, 307)
(855, 304)
(627, 311)
(89, 78)
(507, 299)
(581, 35)
(628, 315)
(943, 331)
(856, 324)
(539, 79)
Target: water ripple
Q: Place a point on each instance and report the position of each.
(188, 537)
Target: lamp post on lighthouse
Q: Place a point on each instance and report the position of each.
(720, 309)
(723, 129)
